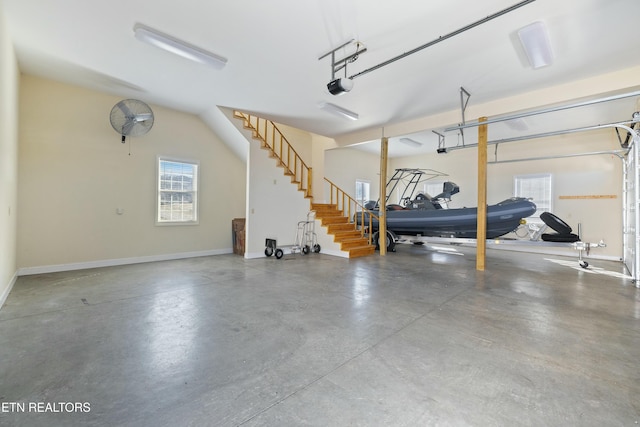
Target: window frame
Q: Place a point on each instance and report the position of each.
(368, 185)
(539, 210)
(427, 184)
(195, 191)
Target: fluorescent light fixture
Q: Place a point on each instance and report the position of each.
(339, 111)
(535, 41)
(178, 47)
(411, 142)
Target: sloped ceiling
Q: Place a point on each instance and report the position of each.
(273, 48)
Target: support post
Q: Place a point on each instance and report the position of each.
(382, 211)
(481, 231)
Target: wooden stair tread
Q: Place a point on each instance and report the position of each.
(345, 228)
(336, 220)
(361, 251)
(347, 235)
(329, 214)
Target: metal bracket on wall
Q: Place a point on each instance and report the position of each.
(635, 117)
(463, 108)
(337, 65)
(441, 147)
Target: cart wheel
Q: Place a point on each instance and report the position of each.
(316, 248)
(279, 253)
(583, 264)
(268, 251)
(305, 249)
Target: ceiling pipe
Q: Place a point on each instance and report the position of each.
(546, 110)
(622, 125)
(618, 153)
(443, 38)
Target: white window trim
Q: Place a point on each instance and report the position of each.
(536, 216)
(197, 192)
(363, 181)
(427, 184)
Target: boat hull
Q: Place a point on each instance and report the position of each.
(502, 218)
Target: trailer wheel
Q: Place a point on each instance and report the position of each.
(391, 244)
(316, 248)
(268, 251)
(279, 253)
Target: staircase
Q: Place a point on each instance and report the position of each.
(351, 240)
(272, 140)
(334, 216)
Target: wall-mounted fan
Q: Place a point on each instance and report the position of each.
(131, 117)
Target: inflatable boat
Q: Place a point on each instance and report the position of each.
(429, 216)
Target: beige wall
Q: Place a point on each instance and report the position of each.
(74, 173)
(343, 166)
(320, 144)
(9, 78)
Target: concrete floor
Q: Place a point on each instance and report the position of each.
(416, 338)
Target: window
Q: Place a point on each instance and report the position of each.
(537, 188)
(177, 192)
(433, 188)
(362, 191)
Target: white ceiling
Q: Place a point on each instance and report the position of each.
(273, 48)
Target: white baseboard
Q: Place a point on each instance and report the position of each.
(5, 294)
(254, 255)
(26, 271)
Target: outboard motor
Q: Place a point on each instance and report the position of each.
(448, 189)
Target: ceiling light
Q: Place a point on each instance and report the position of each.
(339, 111)
(411, 142)
(535, 41)
(178, 47)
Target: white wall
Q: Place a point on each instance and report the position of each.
(274, 204)
(74, 173)
(9, 81)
